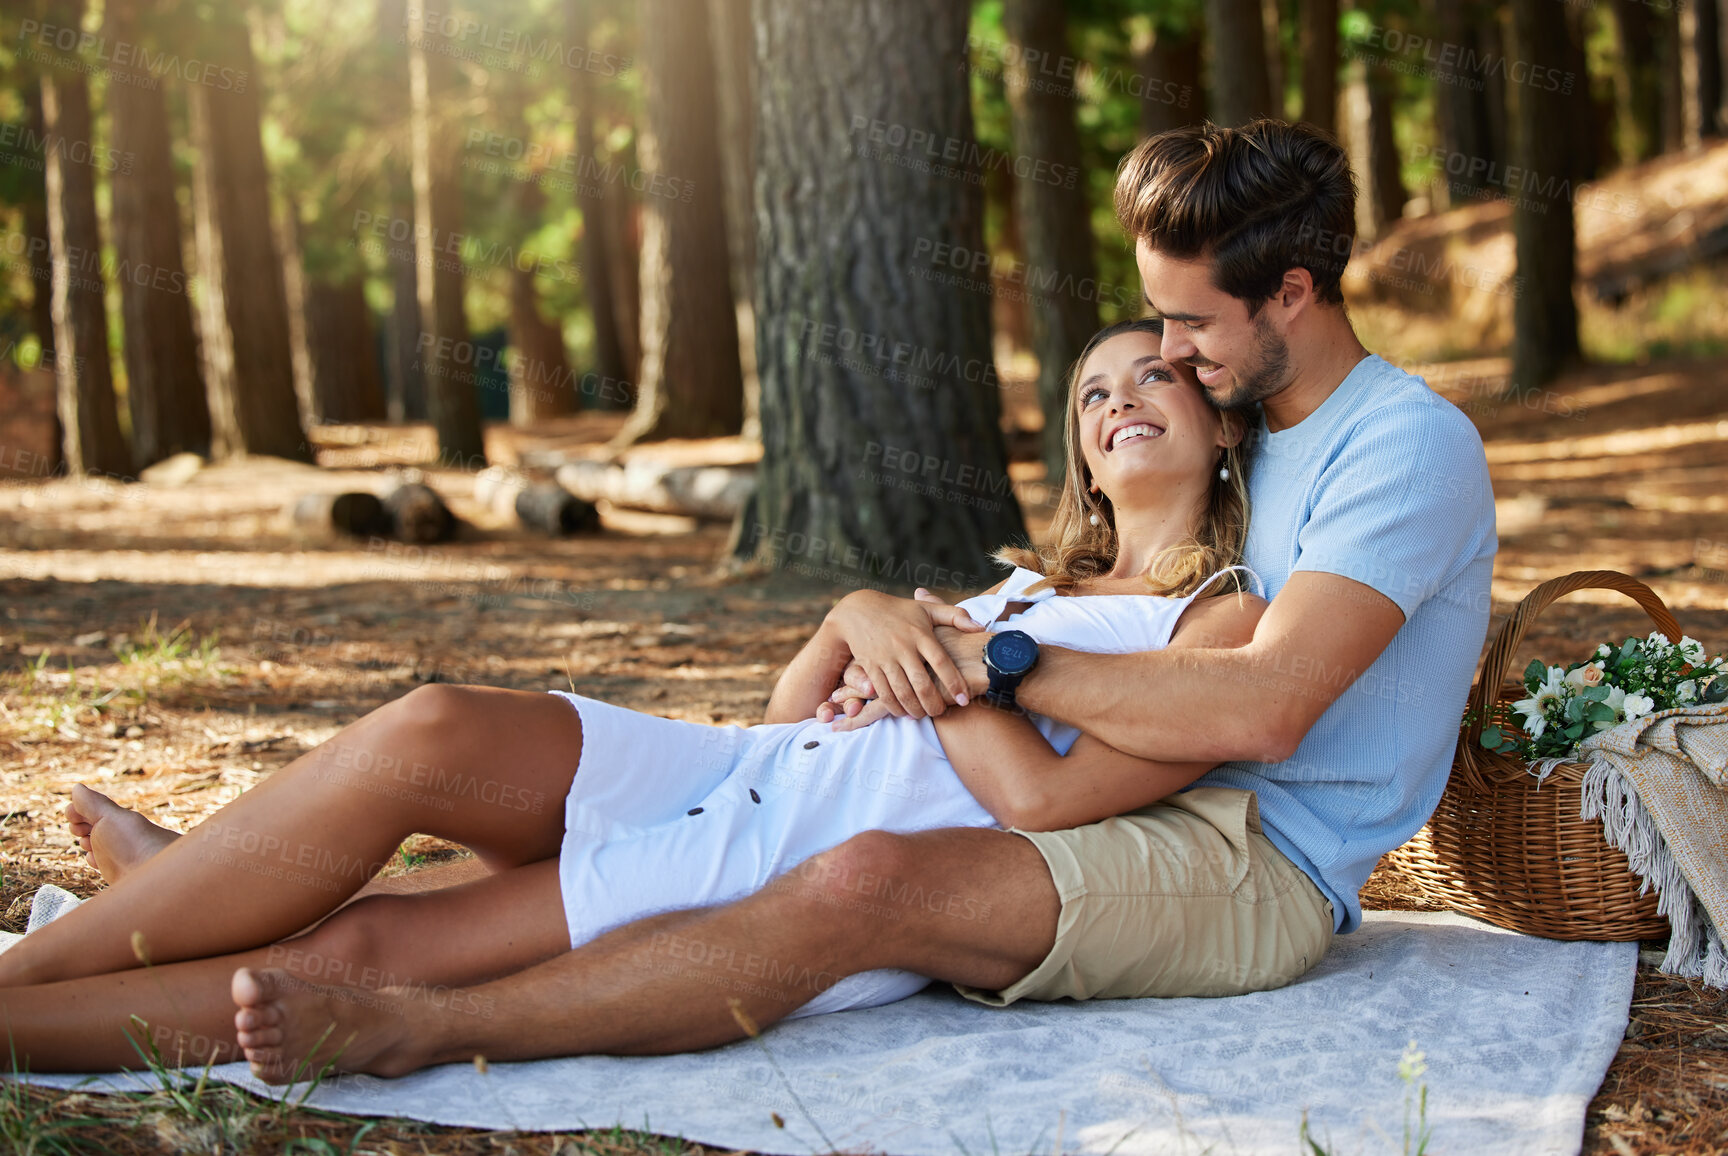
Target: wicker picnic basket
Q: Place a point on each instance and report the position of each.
(1502, 847)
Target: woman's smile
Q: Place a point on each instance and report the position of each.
(1133, 431)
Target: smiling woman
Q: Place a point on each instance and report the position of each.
(1137, 425)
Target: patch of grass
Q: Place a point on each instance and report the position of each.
(56, 702)
(153, 659)
(33, 1121)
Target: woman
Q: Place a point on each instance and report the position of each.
(656, 814)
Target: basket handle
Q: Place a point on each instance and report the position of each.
(1499, 657)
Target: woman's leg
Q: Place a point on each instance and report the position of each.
(484, 767)
(432, 946)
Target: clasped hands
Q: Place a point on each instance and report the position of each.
(912, 657)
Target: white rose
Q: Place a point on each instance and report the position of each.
(1686, 691)
(1638, 705)
(1603, 651)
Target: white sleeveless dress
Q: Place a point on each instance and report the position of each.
(664, 815)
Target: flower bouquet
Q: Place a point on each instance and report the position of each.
(1565, 706)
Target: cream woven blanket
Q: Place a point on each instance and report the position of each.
(1660, 786)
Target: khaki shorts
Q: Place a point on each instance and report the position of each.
(1183, 898)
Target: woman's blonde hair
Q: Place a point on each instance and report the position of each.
(1078, 551)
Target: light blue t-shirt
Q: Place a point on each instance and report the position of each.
(1385, 483)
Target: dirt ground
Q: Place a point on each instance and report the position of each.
(173, 645)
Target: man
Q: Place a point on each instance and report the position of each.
(1372, 528)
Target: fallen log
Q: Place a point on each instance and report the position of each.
(713, 492)
(418, 514)
(358, 514)
(549, 507)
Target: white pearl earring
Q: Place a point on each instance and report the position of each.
(1223, 473)
(1093, 519)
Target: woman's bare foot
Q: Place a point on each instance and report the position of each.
(114, 838)
(291, 1029)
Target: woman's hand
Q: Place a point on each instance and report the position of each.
(896, 658)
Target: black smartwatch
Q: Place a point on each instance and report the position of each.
(1009, 657)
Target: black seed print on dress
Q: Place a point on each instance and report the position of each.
(811, 745)
(754, 797)
(694, 811)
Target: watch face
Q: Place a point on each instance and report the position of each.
(1012, 652)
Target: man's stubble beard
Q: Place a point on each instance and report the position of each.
(1269, 376)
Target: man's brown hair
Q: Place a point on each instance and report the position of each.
(1257, 200)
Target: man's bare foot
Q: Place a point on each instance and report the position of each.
(115, 839)
(290, 1029)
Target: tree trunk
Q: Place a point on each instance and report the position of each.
(1494, 26)
(340, 352)
(40, 258)
(1357, 136)
(1055, 219)
(1239, 86)
(289, 236)
(540, 381)
(735, 78)
(248, 374)
(1545, 316)
(1722, 67)
(164, 385)
(1671, 68)
(407, 377)
(1168, 62)
(404, 383)
(84, 380)
(1466, 111)
(599, 266)
(1318, 38)
(1700, 72)
(1274, 42)
(623, 239)
(1586, 131)
(882, 455)
(443, 342)
(1637, 87)
(1709, 40)
(1384, 162)
(692, 384)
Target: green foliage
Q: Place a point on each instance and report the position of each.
(29, 1125)
(1616, 684)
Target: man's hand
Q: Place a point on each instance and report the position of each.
(896, 658)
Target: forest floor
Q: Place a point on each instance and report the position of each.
(173, 645)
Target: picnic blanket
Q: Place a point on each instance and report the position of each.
(1515, 1033)
(1660, 786)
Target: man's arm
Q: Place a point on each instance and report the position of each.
(1206, 703)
